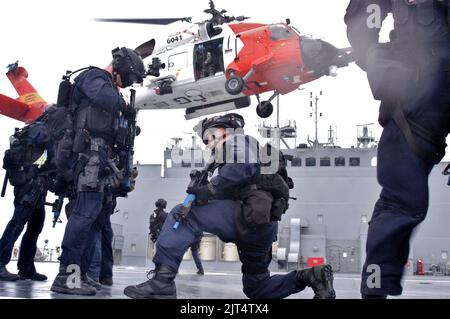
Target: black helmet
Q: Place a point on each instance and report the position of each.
(231, 120)
(161, 203)
(128, 64)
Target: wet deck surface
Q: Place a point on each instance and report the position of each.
(221, 281)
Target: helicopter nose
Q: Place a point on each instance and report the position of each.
(319, 57)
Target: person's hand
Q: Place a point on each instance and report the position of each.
(128, 111)
(202, 193)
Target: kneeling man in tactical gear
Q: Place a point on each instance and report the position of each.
(233, 206)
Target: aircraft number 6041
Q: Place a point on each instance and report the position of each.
(174, 39)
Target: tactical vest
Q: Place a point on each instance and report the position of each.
(421, 21)
(72, 125)
(27, 146)
(94, 120)
(265, 199)
(278, 184)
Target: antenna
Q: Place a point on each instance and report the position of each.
(336, 135)
(331, 136)
(314, 104)
(365, 135)
(177, 141)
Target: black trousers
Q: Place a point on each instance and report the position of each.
(23, 215)
(403, 176)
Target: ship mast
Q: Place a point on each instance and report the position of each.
(314, 104)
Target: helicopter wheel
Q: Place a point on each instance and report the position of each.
(264, 109)
(234, 85)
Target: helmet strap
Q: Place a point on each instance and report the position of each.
(116, 81)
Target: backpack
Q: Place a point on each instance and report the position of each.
(268, 199)
(27, 145)
(278, 183)
(61, 128)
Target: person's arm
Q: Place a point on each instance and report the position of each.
(240, 172)
(362, 32)
(100, 90)
(231, 174)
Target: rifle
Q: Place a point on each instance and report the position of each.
(56, 209)
(5, 183)
(129, 147)
(198, 178)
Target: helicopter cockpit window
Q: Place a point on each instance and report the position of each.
(280, 32)
(208, 59)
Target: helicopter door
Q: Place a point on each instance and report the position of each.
(208, 59)
(178, 66)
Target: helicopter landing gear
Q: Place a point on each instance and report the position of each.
(234, 85)
(265, 108)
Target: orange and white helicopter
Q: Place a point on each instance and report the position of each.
(216, 65)
(29, 105)
(211, 66)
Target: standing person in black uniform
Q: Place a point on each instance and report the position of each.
(195, 249)
(233, 206)
(98, 258)
(410, 76)
(30, 189)
(97, 106)
(157, 220)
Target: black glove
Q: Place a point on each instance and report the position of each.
(202, 193)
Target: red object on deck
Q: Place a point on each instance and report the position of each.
(315, 261)
(420, 267)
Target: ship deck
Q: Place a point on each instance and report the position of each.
(221, 281)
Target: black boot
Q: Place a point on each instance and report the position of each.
(106, 281)
(161, 286)
(5, 275)
(35, 276)
(91, 282)
(364, 296)
(200, 272)
(320, 279)
(60, 285)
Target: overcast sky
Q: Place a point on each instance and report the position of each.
(50, 37)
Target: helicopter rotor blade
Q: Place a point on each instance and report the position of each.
(163, 21)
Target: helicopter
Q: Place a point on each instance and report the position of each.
(210, 67)
(29, 105)
(218, 64)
